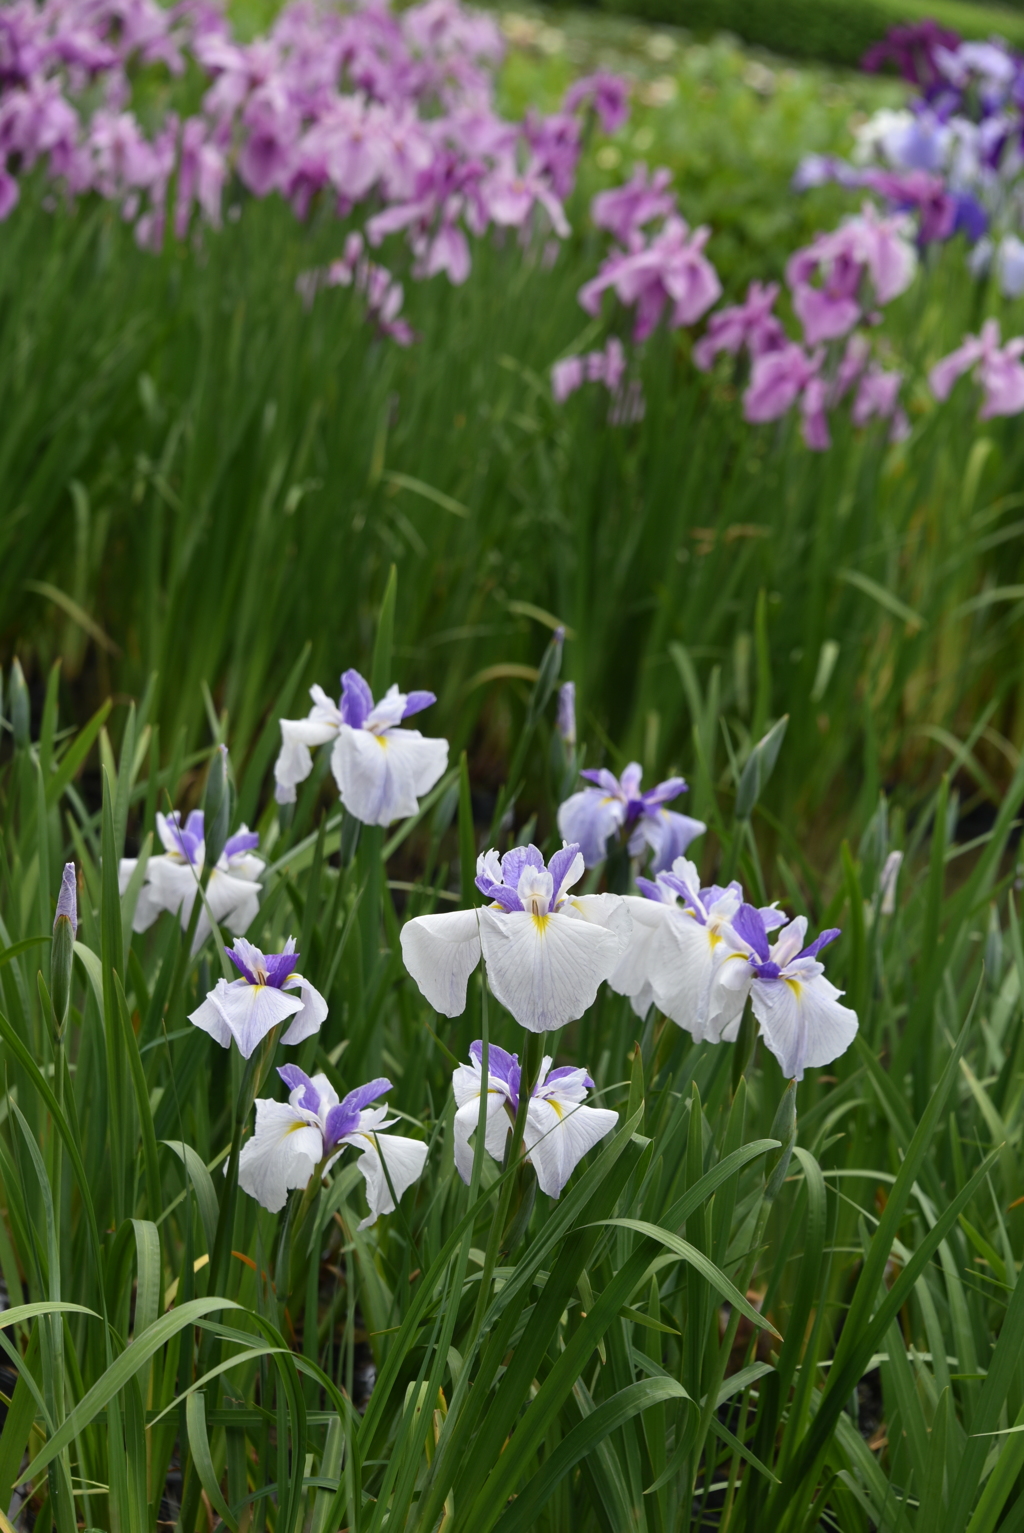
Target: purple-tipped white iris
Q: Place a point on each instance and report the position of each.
(67, 899)
(304, 1136)
(172, 878)
(798, 1009)
(269, 992)
(616, 805)
(546, 951)
(687, 941)
(381, 770)
(559, 1130)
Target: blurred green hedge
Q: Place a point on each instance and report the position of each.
(836, 31)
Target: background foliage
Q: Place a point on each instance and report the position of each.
(809, 1312)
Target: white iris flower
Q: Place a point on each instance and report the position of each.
(381, 770)
(559, 1129)
(269, 992)
(172, 878)
(545, 950)
(304, 1136)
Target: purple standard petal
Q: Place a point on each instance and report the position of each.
(188, 836)
(822, 940)
(649, 889)
(417, 701)
(293, 1077)
(242, 841)
(279, 967)
(514, 861)
(343, 1118)
(507, 898)
(244, 971)
(747, 923)
(560, 1075)
(501, 1066)
(604, 779)
(766, 970)
(559, 867)
(665, 792)
(356, 700)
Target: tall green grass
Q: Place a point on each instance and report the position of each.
(685, 1340)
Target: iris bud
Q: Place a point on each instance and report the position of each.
(65, 929)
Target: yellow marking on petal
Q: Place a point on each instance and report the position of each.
(293, 1128)
(554, 1104)
(381, 742)
(540, 922)
(714, 938)
(795, 986)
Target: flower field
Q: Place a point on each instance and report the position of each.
(510, 952)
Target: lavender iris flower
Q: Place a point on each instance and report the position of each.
(247, 1009)
(997, 368)
(172, 878)
(617, 806)
(546, 951)
(381, 770)
(559, 1129)
(304, 1136)
(798, 1009)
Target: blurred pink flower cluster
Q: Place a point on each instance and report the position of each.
(837, 284)
(391, 111)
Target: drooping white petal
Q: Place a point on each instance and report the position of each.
(546, 969)
(298, 737)
(497, 1127)
(211, 1019)
(233, 902)
(170, 885)
(441, 952)
(558, 1134)
(632, 974)
(405, 1159)
(312, 1015)
(125, 868)
(686, 958)
(283, 1153)
(731, 976)
(380, 776)
(801, 1019)
(247, 1011)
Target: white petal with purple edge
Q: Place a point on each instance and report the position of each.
(405, 1159)
(441, 952)
(546, 969)
(249, 1011)
(557, 1135)
(380, 777)
(283, 1153)
(801, 1019)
